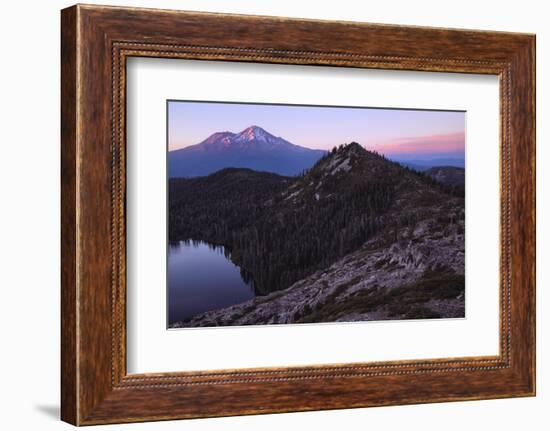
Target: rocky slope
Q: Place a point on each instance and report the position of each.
(418, 275)
(410, 266)
(448, 175)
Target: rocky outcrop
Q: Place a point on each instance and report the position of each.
(448, 175)
(416, 272)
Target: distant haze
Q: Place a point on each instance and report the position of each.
(401, 134)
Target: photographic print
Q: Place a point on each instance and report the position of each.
(294, 214)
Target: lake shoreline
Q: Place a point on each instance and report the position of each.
(202, 277)
(231, 258)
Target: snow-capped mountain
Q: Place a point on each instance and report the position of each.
(259, 137)
(252, 148)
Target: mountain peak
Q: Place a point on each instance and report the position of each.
(253, 128)
(254, 132)
(353, 160)
(219, 137)
(351, 150)
(354, 147)
(253, 148)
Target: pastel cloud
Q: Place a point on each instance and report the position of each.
(432, 144)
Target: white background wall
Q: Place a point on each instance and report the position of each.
(29, 215)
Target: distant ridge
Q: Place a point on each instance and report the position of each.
(425, 164)
(253, 148)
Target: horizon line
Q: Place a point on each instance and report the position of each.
(391, 145)
(374, 126)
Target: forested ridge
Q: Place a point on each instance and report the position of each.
(282, 229)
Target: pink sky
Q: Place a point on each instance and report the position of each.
(448, 143)
(393, 132)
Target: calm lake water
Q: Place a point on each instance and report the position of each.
(201, 277)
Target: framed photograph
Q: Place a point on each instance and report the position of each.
(263, 231)
(264, 215)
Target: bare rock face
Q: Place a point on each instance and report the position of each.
(448, 175)
(419, 275)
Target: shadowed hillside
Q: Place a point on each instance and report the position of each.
(284, 229)
(448, 175)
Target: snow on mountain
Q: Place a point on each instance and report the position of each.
(249, 138)
(252, 148)
(255, 133)
(224, 138)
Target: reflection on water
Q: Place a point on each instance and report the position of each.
(201, 277)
